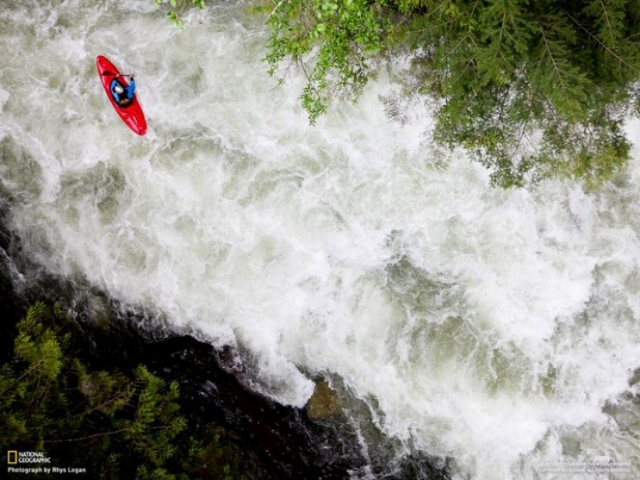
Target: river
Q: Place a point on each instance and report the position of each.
(497, 328)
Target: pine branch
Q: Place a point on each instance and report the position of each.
(17, 380)
(95, 435)
(606, 14)
(104, 404)
(553, 60)
(618, 57)
(467, 35)
(104, 434)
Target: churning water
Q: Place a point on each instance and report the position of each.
(499, 328)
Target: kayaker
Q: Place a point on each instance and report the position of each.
(121, 94)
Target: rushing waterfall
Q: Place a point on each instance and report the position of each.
(498, 328)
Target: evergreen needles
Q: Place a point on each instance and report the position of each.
(533, 89)
(110, 424)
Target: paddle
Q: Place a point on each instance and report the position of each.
(105, 73)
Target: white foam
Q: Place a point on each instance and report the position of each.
(511, 320)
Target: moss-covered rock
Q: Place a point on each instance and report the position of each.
(324, 402)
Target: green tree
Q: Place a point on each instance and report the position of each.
(112, 424)
(532, 89)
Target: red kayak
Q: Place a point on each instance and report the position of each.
(130, 114)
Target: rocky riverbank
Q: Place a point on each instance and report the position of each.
(277, 442)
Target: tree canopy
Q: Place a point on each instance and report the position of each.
(531, 89)
(111, 424)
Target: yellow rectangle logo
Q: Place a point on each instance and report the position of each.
(12, 457)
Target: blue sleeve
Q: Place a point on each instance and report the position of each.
(131, 88)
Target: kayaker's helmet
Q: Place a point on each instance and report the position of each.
(118, 88)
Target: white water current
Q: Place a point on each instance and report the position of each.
(500, 328)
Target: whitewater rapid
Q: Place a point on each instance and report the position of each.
(499, 328)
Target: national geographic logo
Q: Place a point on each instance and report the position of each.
(14, 457)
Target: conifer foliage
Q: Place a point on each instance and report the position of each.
(532, 89)
(112, 424)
